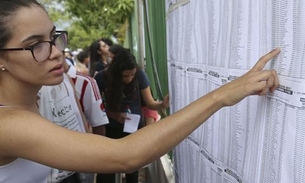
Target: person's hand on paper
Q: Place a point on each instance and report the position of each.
(256, 81)
(118, 116)
(131, 124)
(165, 102)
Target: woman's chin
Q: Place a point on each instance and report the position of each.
(54, 81)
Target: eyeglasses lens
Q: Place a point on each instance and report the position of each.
(43, 50)
(61, 41)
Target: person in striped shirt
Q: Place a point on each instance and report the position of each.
(90, 100)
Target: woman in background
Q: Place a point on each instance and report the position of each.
(124, 86)
(82, 62)
(99, 55)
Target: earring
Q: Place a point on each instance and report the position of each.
(3, 68)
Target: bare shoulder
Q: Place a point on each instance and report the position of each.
(27, 135)
(19, 129)
(13, 117)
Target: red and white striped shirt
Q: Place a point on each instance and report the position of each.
(89, 96)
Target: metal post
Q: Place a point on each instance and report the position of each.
(140, 45)
(118, 178)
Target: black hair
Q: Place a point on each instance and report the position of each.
(115, 49)
(122, 61)
(94, 56)
(82, 55)
(107, 41)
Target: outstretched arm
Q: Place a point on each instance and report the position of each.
(167, 133)
(27, 135)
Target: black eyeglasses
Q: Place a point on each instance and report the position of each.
(41, 51)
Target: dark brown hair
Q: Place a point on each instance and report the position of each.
(8, 9)
(115, 87)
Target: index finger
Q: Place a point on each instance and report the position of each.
(265, 59)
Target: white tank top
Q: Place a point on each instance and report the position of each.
(24, 171)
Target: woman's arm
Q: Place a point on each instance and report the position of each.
(27, 135)
(151, 103)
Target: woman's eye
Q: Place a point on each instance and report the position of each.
(38, 45)
(33, 44)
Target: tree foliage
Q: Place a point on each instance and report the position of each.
(88, 20)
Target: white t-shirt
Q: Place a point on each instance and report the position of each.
(89, 96)
(25, 171)
(58, 104)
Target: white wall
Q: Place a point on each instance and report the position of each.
(210, 43)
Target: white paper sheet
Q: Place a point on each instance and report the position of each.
(131, 125)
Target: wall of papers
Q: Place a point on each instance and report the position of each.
(212, 42)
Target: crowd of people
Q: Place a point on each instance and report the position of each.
(111, 71)
(102, 72)
(64, 117)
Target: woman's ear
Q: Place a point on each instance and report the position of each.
(2, 63)
(2, 67)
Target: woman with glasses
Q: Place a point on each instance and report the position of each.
(31, 56)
